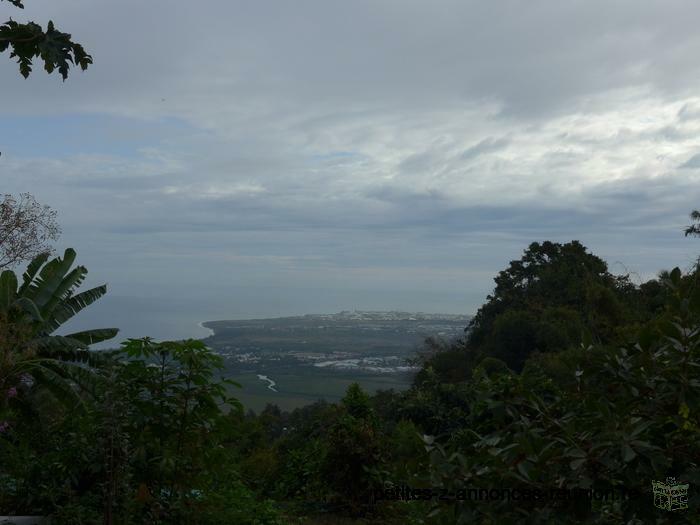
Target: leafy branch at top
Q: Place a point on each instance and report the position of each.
(694, 229)
(29, 41)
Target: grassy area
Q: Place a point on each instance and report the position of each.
(296, 390)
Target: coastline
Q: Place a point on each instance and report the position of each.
(201, 325)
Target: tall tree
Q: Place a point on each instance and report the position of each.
(26, 229)
(553, 298)
(29, 40)
(552, 275)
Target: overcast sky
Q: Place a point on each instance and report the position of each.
(270, 158)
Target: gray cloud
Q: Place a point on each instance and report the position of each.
(692, 163)
(531, 60)
(402, 148)
(484, 146)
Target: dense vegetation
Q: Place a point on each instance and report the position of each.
(567, 378)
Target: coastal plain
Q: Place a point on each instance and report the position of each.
(295, 361)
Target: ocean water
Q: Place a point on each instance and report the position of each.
(166, 316)
(178, 317)
(140, 317)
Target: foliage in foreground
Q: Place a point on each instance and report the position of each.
(148, 448)
(34, 362)
(29, 41)
(159, 439)
(618, 419)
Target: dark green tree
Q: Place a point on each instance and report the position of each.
(548, 300)
(609, 419)
(554, 297)
(28, 41)
(548, 274)
(176, 402)
(354, 449)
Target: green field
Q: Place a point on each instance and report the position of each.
(297, 390)
(289, 351)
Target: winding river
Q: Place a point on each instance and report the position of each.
(271, 385)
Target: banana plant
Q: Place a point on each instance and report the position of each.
(32, 311)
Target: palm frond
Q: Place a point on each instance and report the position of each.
(32, 270)
(63, 366)
(8, 289)
(55, 345)
(64, 289)
(86, 379)
(50, 376)
(69, 350)
(27, 305)
(71, 306)
(97, 335)
(51, 278)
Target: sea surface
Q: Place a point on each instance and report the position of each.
(140, 317)
(180, 317)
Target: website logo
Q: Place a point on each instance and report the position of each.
(671, 495)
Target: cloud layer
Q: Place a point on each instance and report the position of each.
(375, 154)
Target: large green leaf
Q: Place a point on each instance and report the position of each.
(68, 308)
(85, 378)
(52, 377)
(32, 270)
(52, 276)
(70, 350)
(98, 335)
(62, 363)
(57, 346)
(8, 289)
(64, 289)
(28, 306)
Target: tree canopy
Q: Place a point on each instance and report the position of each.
(26, 229)
(555, 297)
(159, 439)
(549, 299)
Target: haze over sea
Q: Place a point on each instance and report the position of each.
(163, 317)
